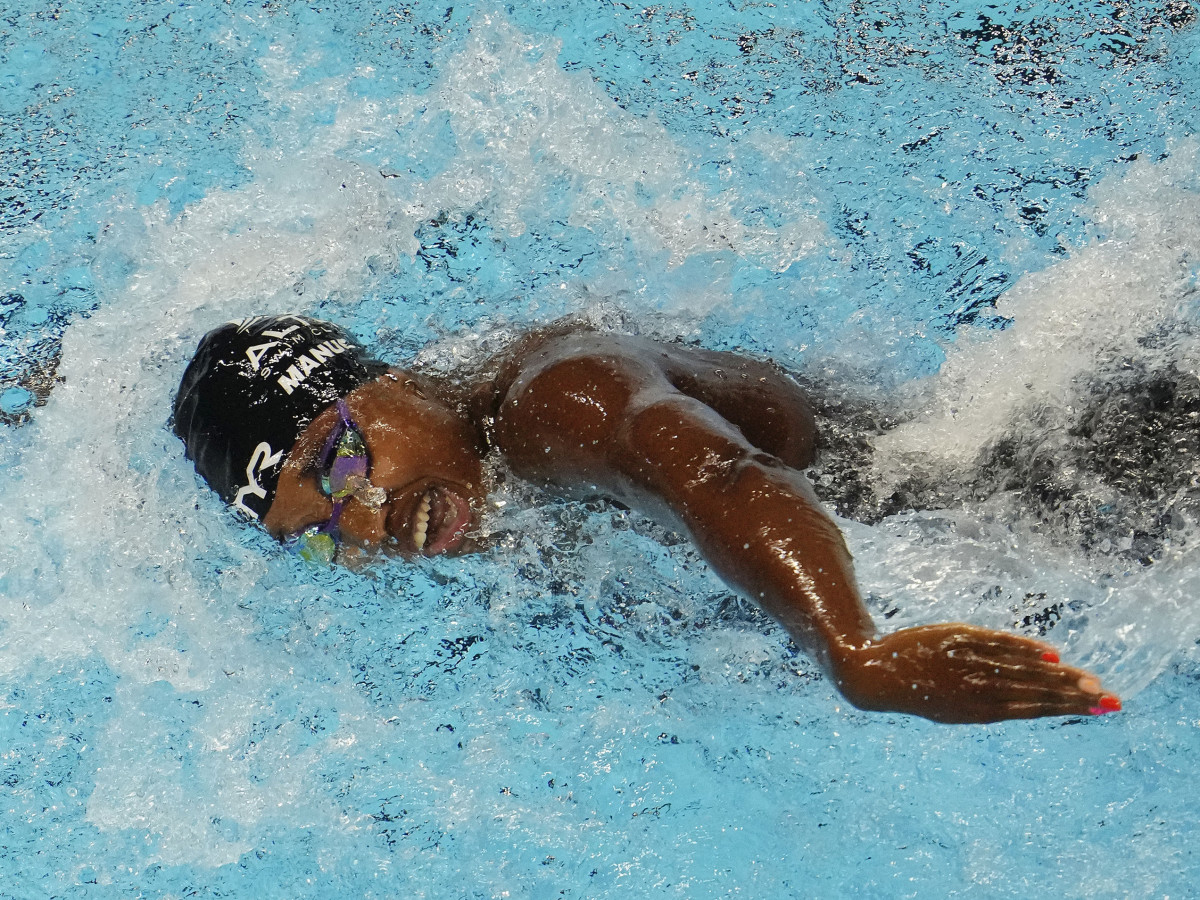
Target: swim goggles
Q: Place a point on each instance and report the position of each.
(344, 466)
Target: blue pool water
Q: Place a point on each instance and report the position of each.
(974, 228)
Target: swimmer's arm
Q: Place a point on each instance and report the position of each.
(764, 531)
(767, 406)
(605, 422)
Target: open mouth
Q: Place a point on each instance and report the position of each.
(438, 524)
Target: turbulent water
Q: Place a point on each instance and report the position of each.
(973, 232)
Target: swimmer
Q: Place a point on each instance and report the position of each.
(333, 452)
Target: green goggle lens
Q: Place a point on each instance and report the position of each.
(315, 546)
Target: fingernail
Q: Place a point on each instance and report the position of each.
(1089, 685)
(1108, 704)
(1050, 656)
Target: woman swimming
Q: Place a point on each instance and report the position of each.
(294, 424)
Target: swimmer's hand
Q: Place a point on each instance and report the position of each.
(964, 674)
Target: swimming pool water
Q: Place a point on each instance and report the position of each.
(974, 228)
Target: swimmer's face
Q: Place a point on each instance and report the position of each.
(422, 455)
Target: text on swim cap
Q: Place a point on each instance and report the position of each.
(261, 459)
(256, 353)
(244, 325)
(306, 363)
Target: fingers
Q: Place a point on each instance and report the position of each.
(1013, 677)
(1059, 706)
(1020, 701)
(961, 673)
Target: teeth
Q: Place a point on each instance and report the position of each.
(422, 521)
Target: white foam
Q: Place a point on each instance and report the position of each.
(524, 128)
(1138, 273)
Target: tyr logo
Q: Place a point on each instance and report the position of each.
(261, 460)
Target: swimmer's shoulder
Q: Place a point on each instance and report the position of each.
(538, 351)
(569, 352)
(761, 399)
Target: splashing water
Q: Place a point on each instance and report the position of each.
(1126, 298)
(585, 710)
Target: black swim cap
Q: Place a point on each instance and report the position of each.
(251, 390)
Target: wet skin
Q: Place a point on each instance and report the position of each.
(709, 443)
(419, 449)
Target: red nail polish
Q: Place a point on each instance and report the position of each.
(1050, 656)
(1108, 704)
